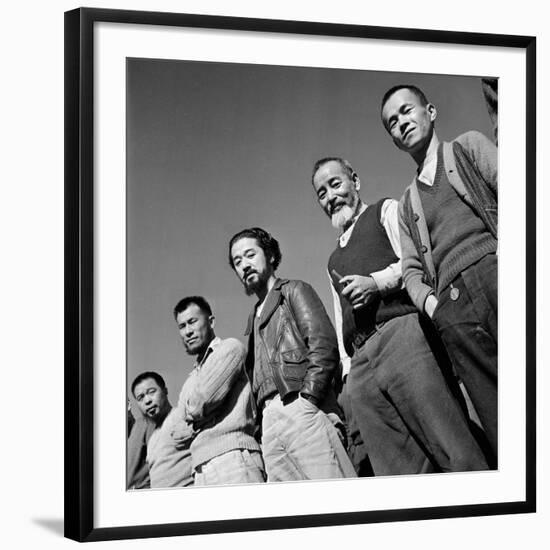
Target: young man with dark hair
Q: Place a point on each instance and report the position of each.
(169, 466)
(292, 356)
(216, 406)
(448, 220)
(408, 417)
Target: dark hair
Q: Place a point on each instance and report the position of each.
(265, 241)
(199, 301)
(144, 376)
(346, 166)
(411, 87)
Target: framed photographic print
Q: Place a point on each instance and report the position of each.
(184, 134)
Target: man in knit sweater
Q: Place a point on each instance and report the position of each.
(216, 406)
(407, 415)
(169, 466)
(448, 223)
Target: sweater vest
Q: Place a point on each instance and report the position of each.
(459, 237)
(368, 250)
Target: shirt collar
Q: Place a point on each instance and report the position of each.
(213, 344)
(426, 174)
(345, 236)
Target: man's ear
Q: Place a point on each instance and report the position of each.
(212, 321)
(356, 181)
(432, 111)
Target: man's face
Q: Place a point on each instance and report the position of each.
(151, 398)
(337, 193)
(196, 329)
(409, 123)
(250, 264)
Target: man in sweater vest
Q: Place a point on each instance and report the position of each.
(216, 406)
(169, 466)
(292, 357)
(408, 416)
(448, 223)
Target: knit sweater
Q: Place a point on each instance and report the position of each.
(476, 164)
(217, 400)
(458, 236)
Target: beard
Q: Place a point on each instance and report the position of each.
(255, 284)
(343, 217)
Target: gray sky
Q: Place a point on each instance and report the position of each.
(217, 147)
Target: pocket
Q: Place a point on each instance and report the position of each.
(294, 364)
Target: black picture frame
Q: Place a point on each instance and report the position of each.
(79, 272)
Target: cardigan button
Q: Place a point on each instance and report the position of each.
(416, 217)
(424, 249)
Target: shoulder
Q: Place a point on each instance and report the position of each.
(473, 140)
(231, 345)
(296, 285)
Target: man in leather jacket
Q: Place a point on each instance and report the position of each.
(292, 356)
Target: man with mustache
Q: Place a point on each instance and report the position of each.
(216, 403)
(292, 356)
(449, 233)
(407, 416)
(169, 466)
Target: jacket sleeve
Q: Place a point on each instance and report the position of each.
(484, 154)
(215, 379)
(319, 337)
(413, 271)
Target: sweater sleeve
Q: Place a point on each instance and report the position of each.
(413, 271)
(215, 379)
(484, 154)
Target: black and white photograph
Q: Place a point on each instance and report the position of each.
(311, 273)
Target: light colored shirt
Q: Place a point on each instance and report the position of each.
(168, 466)
(427, 173)
(387, 280)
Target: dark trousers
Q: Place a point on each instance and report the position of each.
(357, 451)
(409, 419)
(469, 329)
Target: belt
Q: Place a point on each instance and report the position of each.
(361, 336)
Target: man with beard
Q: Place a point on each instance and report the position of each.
(169, 466)
(407, 416)
(449, 231)
(292, 355)
(216, 403)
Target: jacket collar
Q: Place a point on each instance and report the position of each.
(272, 301)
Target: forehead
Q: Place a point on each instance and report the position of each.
(328, 171)
(193, 310)
(145, 385)
(399, 98)
(242, 245)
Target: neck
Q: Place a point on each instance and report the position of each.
(202, 352)
(361, 207)
(161, 417)
(425, 153)
(263, 292)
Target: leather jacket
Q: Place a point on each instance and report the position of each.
(299, 339)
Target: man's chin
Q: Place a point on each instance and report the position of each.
(342, 218)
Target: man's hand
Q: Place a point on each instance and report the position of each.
(183, 434)
(359, 290)
(429, 305)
